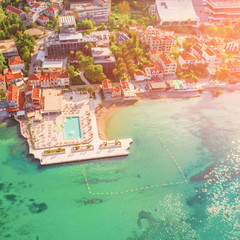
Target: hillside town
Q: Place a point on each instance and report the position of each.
(61, 61)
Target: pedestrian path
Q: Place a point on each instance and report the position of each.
(84, 79)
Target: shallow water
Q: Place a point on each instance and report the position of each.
(203, 136)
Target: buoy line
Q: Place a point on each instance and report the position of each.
(164, 145)
(147, 187)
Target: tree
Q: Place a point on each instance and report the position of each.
(115, 9)
(2, 94)
(155, 19)
(86, 61)
(2, 62)
(124, 7)
(79, 55)
(85, 24)
(223, 74)
(113, 39)
(91, 90)
(57, 29)
(89, 46)
(94, 73)
(228, 22)
(187, 45)
(26, 9)
(71, 71)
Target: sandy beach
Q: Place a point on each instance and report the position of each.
(111, 106)
(103, 113)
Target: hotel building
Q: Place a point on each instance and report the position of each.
(97, 10)
(220, 10)
(104, 57)
(175, 12)
(68, 40)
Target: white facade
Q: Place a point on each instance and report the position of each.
(232, 46)
(39, 7)
(187, 59)
(139, 76)
(176, 12)
(211, 58)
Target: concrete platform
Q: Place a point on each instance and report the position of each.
(70, 156)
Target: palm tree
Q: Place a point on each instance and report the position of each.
(91, 90)
(72, 54)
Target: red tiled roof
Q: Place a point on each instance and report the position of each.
(15, 61)
(139, 73)
(155, 52)
(29, 88)
(14, 10)
(35, 5)
(166, 59)
(45, 77)
(125, 85)
(8, 77)
(12, 109)
(158, 66)
(33, 77)
(12, 93)
(2, 78)
(188, 56)
(116, 89)
(36, 94)
(17, 75)
(209, 52)
(106, 84)
(43, 18)
(192, 40)
(51, 9)
(21, 100)
(64, 74)
(162, 38)
(58, 74)
(148, 66)
(198, 50)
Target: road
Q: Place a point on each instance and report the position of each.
(39, 44)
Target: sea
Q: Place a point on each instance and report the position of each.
(180, 180)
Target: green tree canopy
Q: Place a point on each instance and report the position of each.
(94, 73)
(85, 24)
(223, 74)
(2, 62)
(187, 45)
(124, 7)
(71, 71)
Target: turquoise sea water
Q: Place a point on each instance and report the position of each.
(72, 128)
(203, 135)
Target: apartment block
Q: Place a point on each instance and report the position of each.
(104, 57)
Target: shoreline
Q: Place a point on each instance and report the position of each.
(102, 114)
(112, 106)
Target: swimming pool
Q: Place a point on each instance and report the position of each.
(72, 128)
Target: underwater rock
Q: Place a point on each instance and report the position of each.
(1, 186)
(11, 198)
(90, 201)
(197, 198)
(37, 208)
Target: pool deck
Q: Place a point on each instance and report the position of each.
(69, 156)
